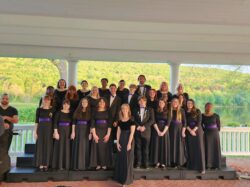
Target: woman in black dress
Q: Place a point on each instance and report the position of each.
(62, 127)
(180, 90)
(163, 92)
(177, 128)
(43, 134)
(160, 149)
(84, 91)
(125, 146)
(59, 94)
(72, 97)
(49, 92)
(183, 102)
(101, 150)
(81, 136)
(122, 92)
(211, 126)
(93, 98)
(152, 101)
(195, 138)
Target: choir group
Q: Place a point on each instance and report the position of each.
(120, 128)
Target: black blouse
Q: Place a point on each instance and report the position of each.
(125, 125)
(44, 116)
(209, 122)
(62, 117)
(193, 120)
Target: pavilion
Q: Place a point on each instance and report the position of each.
(175, 32)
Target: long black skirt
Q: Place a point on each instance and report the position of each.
(177, 145)
(160, 149)
(125, 160)
(212, 149)
(80, 148)
(101, 153)
(61, 151)
(196, 151)
(44, 145)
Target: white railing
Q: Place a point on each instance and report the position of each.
(234, 140)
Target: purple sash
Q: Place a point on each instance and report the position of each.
(162, 121)
(192, 124)
(212, 126)
(176, 122)
(82, 122)
(62, 123)
(44, 120)
(101, 122)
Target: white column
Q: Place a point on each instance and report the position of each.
(174, 76)
(72, 72)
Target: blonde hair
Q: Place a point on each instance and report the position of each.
(121, 115)
(178, 112)
(91, 92)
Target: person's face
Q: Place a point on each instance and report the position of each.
(66, 106)
(101, 104)
(125, 109)
(175, 103)
(132, 89)
(190, 104)
(84, 103)
(5, 100)
(209, 108)
(84, 85)
(112, 90)
(164, 87)
(161, 104)
(152, 93)
(180, 89)
(104, 83)
(50, 91)
(62, 84)
(72, 91)
(46, 102)
(95, 91)
(122, 84)
(142, 80)
(142, 103)
(181, 98)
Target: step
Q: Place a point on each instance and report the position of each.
(25, 160)
(30, 148)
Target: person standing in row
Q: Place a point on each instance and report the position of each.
(132, 99)
(211, 127)
(81, 136)
(177, 128)
(195, 138)
(93, 98)
(144, 119)
(142, 88)
(152, 101)
(43, 134)
(72, 97)
(62, 128)
(10, 116)
(180, 90)
(160, 144)
(125, 146)
(114, 107)
(104, 91)
(122, 92)
(163, 92)
(59, 94)
(49, 92)
(101, 150)
(84, 91)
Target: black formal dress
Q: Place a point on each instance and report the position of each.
(80, 146)
(122, 94)
(143, 90)
(177, 142)
(211, 126)
(168, 94)
(61, 151)
(92, 103)
(142, 139)
(44, 142)
(101, 152)
(125, 159)
(73, 105)
(59, 97)
(104, 92)
(82, 94)
(160, 145)
(195, 144)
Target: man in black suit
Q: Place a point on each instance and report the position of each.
(132, 98)
(104, 91)
(144, 119)
(114, 103)
(142, 88)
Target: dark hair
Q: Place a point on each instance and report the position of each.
(50, 89)
(121, 81)
(208, 104)
(194, 109)
(142, 98)
(105, 101)
(84, 81)
(75, 95)
(105, 79)
(165, 109)
(141, 76)
(65, 101)
(78, 114)
(61, 80)
(112, 85)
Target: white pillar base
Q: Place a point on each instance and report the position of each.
(174, 76)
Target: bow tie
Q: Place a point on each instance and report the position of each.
(130, 94)
(113, 96)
